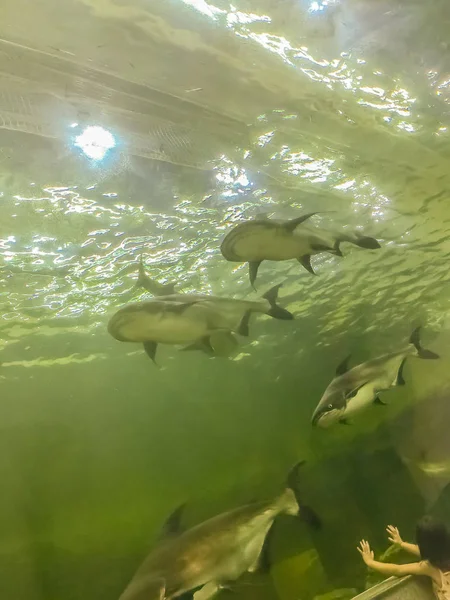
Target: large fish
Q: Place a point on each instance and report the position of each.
(218, 551)
(200, 321)
(353, 390)
(264, 239)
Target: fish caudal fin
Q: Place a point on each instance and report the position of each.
(421, 352)
(276, 311)
(306, 513)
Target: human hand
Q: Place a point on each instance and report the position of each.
(394, 535)
(366, 552)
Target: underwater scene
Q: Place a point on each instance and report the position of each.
(224, 294)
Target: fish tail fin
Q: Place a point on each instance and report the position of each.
(306, 513)
(275, 311)
(421, 352)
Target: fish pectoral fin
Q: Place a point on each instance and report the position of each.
(188, 595)
(207, 591)
(322, 248)
(343, 366)
(344, 421)
(305, 261)
(179, 307)
(352, 393)
(150, 350)
(244, 324)
(203, 344)
(253, 271)
(293, 223)
(400, 379)
(377, 400)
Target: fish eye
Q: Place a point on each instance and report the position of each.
(330, 406)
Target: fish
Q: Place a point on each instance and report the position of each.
(200, 322)
(152, 286)
(207, 557)
(264, 239)
(355, 389)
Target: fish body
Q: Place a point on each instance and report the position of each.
(161, 322)
(264, 239)
(214, 552)
(226, 313)
(189, 319)
(353, 390)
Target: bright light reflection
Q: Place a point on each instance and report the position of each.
(319, 5)
(207, 9)
(95, 142)
(245, 18)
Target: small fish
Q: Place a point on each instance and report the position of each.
(202, 322)
(155, 288)
(264, 239)
(353, 390)
(207, 557)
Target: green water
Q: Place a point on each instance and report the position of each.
(219, 113)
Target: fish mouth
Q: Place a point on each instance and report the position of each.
(325, 418)
(317, 417)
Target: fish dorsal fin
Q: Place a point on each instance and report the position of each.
(172, 525)
(293, 223)
(343, 366)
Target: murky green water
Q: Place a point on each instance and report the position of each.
(218, 113)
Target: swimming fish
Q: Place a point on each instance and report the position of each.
(206, 557)
(155, 288)
(200, 321)
(353, 390)
(264, 239)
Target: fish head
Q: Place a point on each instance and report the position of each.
(330, 409)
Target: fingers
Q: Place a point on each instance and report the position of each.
(364, 546)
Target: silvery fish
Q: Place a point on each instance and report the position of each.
(353, 390)
(155, 288)
(200, 321)
(207, 557)
(264, 239)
